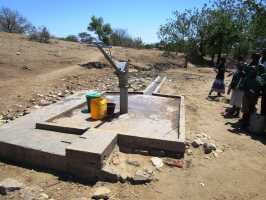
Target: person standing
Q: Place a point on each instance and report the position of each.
(237, 93)
(218, 84)
(251, 86)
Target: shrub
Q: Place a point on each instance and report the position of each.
(71, 38)
(40, 34)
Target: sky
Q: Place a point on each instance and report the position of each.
(141, 18)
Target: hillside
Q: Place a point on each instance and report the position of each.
(30, 68)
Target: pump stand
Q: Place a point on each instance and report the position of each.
(121, 69)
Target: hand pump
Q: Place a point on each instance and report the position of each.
(121, 69)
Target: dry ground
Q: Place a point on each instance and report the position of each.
(29, 68)
(237, 173)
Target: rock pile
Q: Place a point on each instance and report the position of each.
(205, 141)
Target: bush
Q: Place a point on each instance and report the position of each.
(120, 37)
(40, 34)
(71, 38)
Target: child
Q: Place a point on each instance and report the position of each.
(218, 84)
(237, 93)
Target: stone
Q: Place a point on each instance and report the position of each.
(101, 193)
(26, 67)
(189, 152)
(196, 143)
(142, 177)
(209, 147)
(115, 160)
(9, 116)
(32, 100)
(26, 112)
(157, 162)
(215, 155)
(60, 94)
(9, 185)
(44, 102)
(44, 196)
(40, 95)
(174, 162)
(134, 163)
(213, 146)
(219, 151)
(202, 184)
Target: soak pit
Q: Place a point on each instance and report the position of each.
(63, 138)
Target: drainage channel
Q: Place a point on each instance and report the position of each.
(154, 86)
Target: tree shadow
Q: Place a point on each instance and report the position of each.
(237, 128)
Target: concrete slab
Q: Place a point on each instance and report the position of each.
(92, 148)
(48, 136)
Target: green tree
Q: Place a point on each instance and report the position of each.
(224, 27)
(180, 32)
(102, 30)
(257, 30)
(71, 38)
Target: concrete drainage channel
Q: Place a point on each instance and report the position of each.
(155, 86)
(62, 138)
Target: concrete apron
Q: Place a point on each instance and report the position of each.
(61, 138)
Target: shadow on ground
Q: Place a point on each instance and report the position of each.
(237, 129)
(61, 176)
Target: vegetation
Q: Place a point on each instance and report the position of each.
(71, 38)
(102, 30)
(40, 34)
(226, 27)
(85, 37)
(11, 21)
(120, 37)
(116, 37)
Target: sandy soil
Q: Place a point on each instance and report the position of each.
(237, 172)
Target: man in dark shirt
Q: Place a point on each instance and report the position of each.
(251, 86)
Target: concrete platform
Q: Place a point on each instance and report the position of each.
(62, 138)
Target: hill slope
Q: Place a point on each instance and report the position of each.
(29, 68)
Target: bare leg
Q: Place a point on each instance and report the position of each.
(210, 93)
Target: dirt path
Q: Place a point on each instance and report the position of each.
(237, 173)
